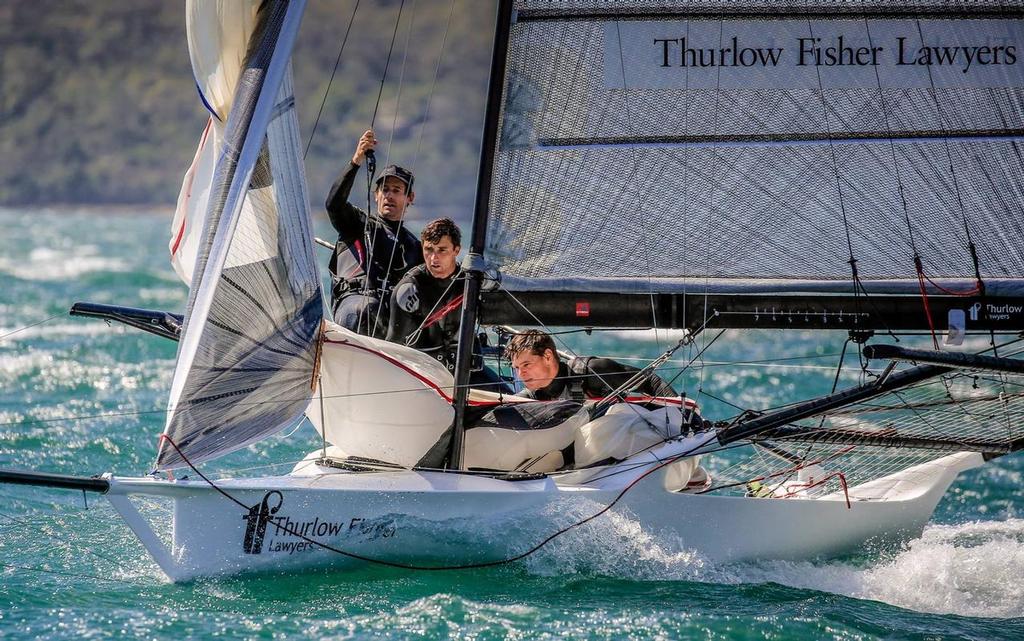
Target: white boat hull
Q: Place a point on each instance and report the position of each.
(431, 519)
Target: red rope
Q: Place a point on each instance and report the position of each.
(825, 479)
(921, 278)
(950, 292)
(924, 300)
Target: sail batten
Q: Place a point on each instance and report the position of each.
(820, 138)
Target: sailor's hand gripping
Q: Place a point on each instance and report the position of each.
(366, 143)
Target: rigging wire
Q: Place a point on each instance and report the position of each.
(645, 231)
(972, 248)
(433, 83)
(164, 410)
(391, 138)
(31, 325)
(569, 349)
(401, 79)
(711, 199)
(387, 63)
(372, 220)
(839, 187)
(327, 91)
(85, 417)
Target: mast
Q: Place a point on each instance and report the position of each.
(474, 262)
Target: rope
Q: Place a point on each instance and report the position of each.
(924, 299)
(446, 309)
(327, 91)
(387, 63)
(414, 336)
(369, 178)
(854, 275)
(433, 82)
(30, 326)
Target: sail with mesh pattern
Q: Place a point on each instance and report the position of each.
(247, 354)
(793, 148)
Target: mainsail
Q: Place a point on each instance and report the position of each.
(247, 354)
(828, 165)
(830, 161)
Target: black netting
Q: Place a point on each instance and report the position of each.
(964, 411)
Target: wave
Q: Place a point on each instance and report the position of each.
(45, 264)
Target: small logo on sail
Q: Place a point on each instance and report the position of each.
(974, 309)
(256, 521)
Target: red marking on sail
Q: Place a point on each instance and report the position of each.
(188, 191)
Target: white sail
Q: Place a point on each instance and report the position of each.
(246, 358)
(218, 33)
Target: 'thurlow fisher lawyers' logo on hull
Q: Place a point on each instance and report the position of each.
(257, 519)
(301, 533)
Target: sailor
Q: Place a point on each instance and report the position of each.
(372, 251)
(536, 362)
(426, 304)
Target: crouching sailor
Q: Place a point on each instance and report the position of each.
(536, 362)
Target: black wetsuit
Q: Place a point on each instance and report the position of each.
(425, 313)
(394, 251)
(592, 377)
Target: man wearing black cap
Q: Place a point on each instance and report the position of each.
(373, 251)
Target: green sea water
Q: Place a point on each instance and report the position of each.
(80, 397)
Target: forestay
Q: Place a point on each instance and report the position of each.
(762, 147)
(246, 358)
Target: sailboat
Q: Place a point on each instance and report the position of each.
(689, 165)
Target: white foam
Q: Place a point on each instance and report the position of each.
(973, 569)
(614, 545)
(47, 264)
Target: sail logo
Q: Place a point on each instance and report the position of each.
(256, 521)
(973, 311)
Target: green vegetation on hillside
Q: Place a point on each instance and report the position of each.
(98, 104)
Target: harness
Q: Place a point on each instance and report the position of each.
(579, 368)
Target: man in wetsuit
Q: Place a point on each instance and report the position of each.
(372, 251)
(536, 362)
(426, 304)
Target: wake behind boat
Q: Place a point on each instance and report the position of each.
(620, 186)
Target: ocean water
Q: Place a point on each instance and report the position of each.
(80, 397)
